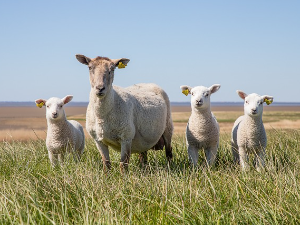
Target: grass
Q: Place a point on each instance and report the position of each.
(34, 193)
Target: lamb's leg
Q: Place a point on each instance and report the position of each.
(61, 158)
(235, 153)
(211, 154)
(103, 149)
(125, 155)
(193, 155)
(143, 158)
(260, 160)
(53, 158)
(243, 158)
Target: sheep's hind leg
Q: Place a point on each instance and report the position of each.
(53, 159)
(211, 154)
(193, 155)
(125, 155)
(260, 160)
(103, 149)
(143, 158)
(235, 153)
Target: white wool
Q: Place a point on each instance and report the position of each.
(62, 135)
(248, 133)
(202, 131)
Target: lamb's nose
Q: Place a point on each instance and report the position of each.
(54, 113)
(254, 111)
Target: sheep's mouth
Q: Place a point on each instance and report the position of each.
(100, 94)
(199, 104)
(54, 116)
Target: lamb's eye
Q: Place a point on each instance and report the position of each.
(47, 106)
(90, 68)
(247, 102)
(206, 95)
(193, 93)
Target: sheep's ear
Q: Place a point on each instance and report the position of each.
(186, 89)
(83, 59)
(214, 88)
(267, 99)
(243, 95)
(67, 99)
(120, 63)
(40, 102)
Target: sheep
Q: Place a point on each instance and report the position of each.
(248, 132)
(129, 120)
(202, 131)
(62, 135)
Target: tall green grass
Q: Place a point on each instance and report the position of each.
(34, 193)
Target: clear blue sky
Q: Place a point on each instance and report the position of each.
(249, 45)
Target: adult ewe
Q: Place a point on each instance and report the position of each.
(248, 133)
(62, 135)
(202, 131)
(129, 120)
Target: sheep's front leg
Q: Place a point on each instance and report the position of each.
(53, 158)
(260, 160)
(103, 149)
(211, 154)
(125, 155)
(243, 158)
(143, 158)
(235, 153)
(193, 155)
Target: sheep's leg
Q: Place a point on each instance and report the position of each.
(260, 160)
(235, 153)
(211, 154)
(53, 158)
(103, 149)
(143, 158)
(193, 155)
(125, 155)
(243, 158)
(168, 148)
(61, 158)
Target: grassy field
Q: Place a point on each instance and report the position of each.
(32, 192)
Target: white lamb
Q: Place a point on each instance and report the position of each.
(202, 131)
(248, 133)
(62, 135)
(129, 120)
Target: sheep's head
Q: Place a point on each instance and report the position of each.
(102, 72)
(200, 95)
(54, 106)
(253, 103)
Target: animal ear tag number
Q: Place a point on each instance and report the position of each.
(121, 65)
(40, 105)
(185, 92)
(268, 101)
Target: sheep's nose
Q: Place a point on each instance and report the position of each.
(199, 102)
(254, 111)
(100, 90)
(54, 114)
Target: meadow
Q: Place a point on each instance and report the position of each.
(32, 192)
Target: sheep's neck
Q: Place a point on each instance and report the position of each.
(103, 106)
(57, 127)
(202, 115)
(255, 123)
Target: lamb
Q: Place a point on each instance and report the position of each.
(202, 131)
(248, 133)
(62, 135)
(129, 120)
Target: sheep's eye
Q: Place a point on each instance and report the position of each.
(90, 68)
(247, 102)
(206, 95)
(47, 106)
(193, 93)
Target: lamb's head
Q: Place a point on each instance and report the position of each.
(253, 103)
(200, 95)
(102, 72)
(54, 107)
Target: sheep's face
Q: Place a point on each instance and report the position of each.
(200, 98)
(101, 73)
(253, 103)
(54, 107)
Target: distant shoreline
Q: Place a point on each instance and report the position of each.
(84, 104)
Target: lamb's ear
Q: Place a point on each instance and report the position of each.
(67, 99)
(186, 89)
(243, 95)
(214, 88)
(120, 63)
(83, 59)
(40, 102)
(267, 99)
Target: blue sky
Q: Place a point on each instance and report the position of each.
(249, 45)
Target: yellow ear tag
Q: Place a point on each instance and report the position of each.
(40, 105)
(121, 65)
(268, 101)
(185, 92)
